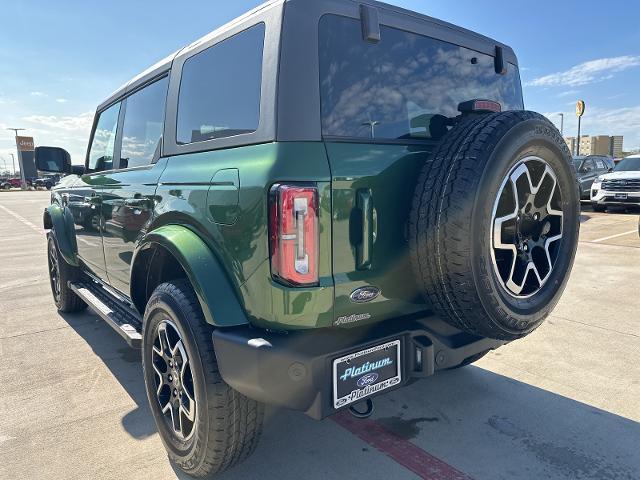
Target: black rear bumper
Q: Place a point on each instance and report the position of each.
(294, 370)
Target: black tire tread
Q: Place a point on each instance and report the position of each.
(235, 421)
(440, 226)
(68, 302)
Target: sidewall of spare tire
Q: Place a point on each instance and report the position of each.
(521, 315)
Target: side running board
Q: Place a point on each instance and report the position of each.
(121, 318)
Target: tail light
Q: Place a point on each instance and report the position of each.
(294, 234)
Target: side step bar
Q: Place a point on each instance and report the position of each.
(122, 319)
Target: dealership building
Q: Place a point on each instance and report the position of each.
(597, 145)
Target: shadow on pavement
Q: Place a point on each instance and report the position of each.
(486, 425)
(123, 362)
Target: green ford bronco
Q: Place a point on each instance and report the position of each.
(320, 202)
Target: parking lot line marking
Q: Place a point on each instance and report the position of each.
(614, 236)
(397, 448)
(23, 220)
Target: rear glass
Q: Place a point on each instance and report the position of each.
(404, 86)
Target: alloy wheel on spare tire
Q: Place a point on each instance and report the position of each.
(494, 224)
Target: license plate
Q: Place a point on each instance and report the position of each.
(620, 196)
(361, 374)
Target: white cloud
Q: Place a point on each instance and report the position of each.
(587, 72)
(568, 93)
(68, 132)
(61, 100)
(38, 94)
(69, 123)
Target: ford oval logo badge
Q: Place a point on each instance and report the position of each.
(368, 379)
(364, 294)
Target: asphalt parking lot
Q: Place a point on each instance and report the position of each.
(564, 403)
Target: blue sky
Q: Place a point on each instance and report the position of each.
(59, 60)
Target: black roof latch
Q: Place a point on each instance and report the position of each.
(370, 23)
(498, 61)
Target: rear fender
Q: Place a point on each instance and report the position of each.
(60, 220)
(216, 295)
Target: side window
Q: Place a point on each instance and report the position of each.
(143, 125)
(589, 165)
(104, 140)
(220, 89)
(600, 165)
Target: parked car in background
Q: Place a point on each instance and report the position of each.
(620, 187)
(588, 168)
(47, 181)
(13, 183)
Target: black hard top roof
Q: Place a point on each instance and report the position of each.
(165, 64)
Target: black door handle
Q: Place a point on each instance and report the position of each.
(364, 250)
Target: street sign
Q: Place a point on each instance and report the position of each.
(25, 144)
(580, 106)
(26, 153)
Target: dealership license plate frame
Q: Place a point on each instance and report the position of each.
(621, 196)
(374, 388)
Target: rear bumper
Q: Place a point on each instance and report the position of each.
(294, 370)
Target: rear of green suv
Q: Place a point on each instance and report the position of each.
(310, 206)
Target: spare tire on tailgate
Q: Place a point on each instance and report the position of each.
(494, 224)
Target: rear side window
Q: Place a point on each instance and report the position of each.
(404, 86)
(143, 125)
(220, 89)
(104, 140)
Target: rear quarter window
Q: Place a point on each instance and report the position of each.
(220, 89)
(403, 86)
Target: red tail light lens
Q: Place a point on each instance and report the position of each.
(294, 234)
(479, 106)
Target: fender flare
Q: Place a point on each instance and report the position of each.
(60, 220)
(216, 295)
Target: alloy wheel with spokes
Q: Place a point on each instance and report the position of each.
(205, 425)
(54, 270)
(175, 391)
(527, 227)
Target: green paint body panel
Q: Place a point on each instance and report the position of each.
(210, 282)
(62, 222)
(210, 210)
(380, 178)
(222, 196)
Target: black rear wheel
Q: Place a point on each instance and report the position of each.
(205, 425)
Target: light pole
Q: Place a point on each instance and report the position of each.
(23, 181)
(372, 124)
(13, 160)
(561, 124)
